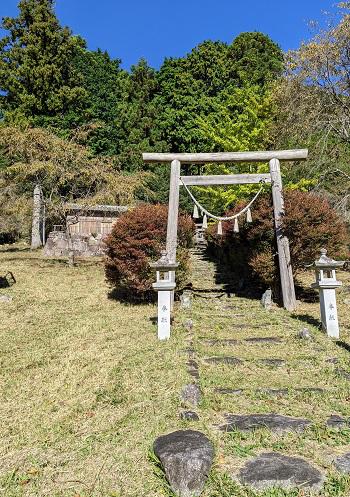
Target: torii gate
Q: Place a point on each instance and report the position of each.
(273, 177)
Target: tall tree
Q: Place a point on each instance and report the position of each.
(185, 88)
(189, 86)
(138, 112)
(313, 102)
(256, 59)
(241, 120)
(104, 82)
(37, 76)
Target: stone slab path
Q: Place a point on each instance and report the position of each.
(267, 392)
(273, 469)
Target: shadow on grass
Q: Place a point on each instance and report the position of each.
(8, 249)
(207, 293)
(241, 284)
(343, 345)
(244, 284)
(7, 280)
(307, 295)
(40, 263)
(125, 297)
(306, 318)
(59, 261)
(154, 320)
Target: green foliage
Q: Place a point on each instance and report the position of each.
(36, 71)
(103, 82)
(256, 59)
(138, 112)
(101, 79)
(240, 121)
(121, 108)
(136, 240)
(189, 86)
(304, 185)
(182, 99)
(214, 98)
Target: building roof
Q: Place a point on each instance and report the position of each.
(97, 208)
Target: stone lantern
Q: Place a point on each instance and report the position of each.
(326, 283)
(164, 286)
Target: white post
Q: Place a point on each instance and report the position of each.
(329, 313)
(285, 265)
(164, 305)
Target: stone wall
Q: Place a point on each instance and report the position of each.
(83, 245)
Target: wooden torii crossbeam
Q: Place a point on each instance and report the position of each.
(274, 177)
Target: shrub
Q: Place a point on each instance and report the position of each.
(310, 223)
(137, 239)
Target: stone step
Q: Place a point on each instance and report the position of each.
(272, 362)
(272, 469)
(275, 392)
(232, 341)
(274, 422)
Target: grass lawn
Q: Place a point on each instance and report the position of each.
(86, 387)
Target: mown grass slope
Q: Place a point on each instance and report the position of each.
(86, 387)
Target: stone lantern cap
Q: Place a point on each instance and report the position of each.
(325, 262)
(163, 264)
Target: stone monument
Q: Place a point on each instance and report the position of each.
(326, 283)
(164, 286)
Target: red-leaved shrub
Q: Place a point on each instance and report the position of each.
(137, 239)
(310, 223)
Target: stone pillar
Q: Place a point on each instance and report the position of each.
(36, 223)
(329, 313)
(164, 306)
(165, 288)
(327, 283)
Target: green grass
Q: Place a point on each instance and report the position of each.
(305, 366)
(86, 387)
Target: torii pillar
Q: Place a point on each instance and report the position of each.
(274, 177)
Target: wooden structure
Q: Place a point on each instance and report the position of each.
(273, 177)
(93, 220)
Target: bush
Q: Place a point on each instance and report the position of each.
(137, 239)
(310, 223)
(8, 237)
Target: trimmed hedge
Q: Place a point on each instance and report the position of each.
(310, 223)
(137, 239)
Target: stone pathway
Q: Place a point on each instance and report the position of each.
(273, 469)
(256, 371)
(274, 422)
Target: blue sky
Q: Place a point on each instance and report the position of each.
(155, 29)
